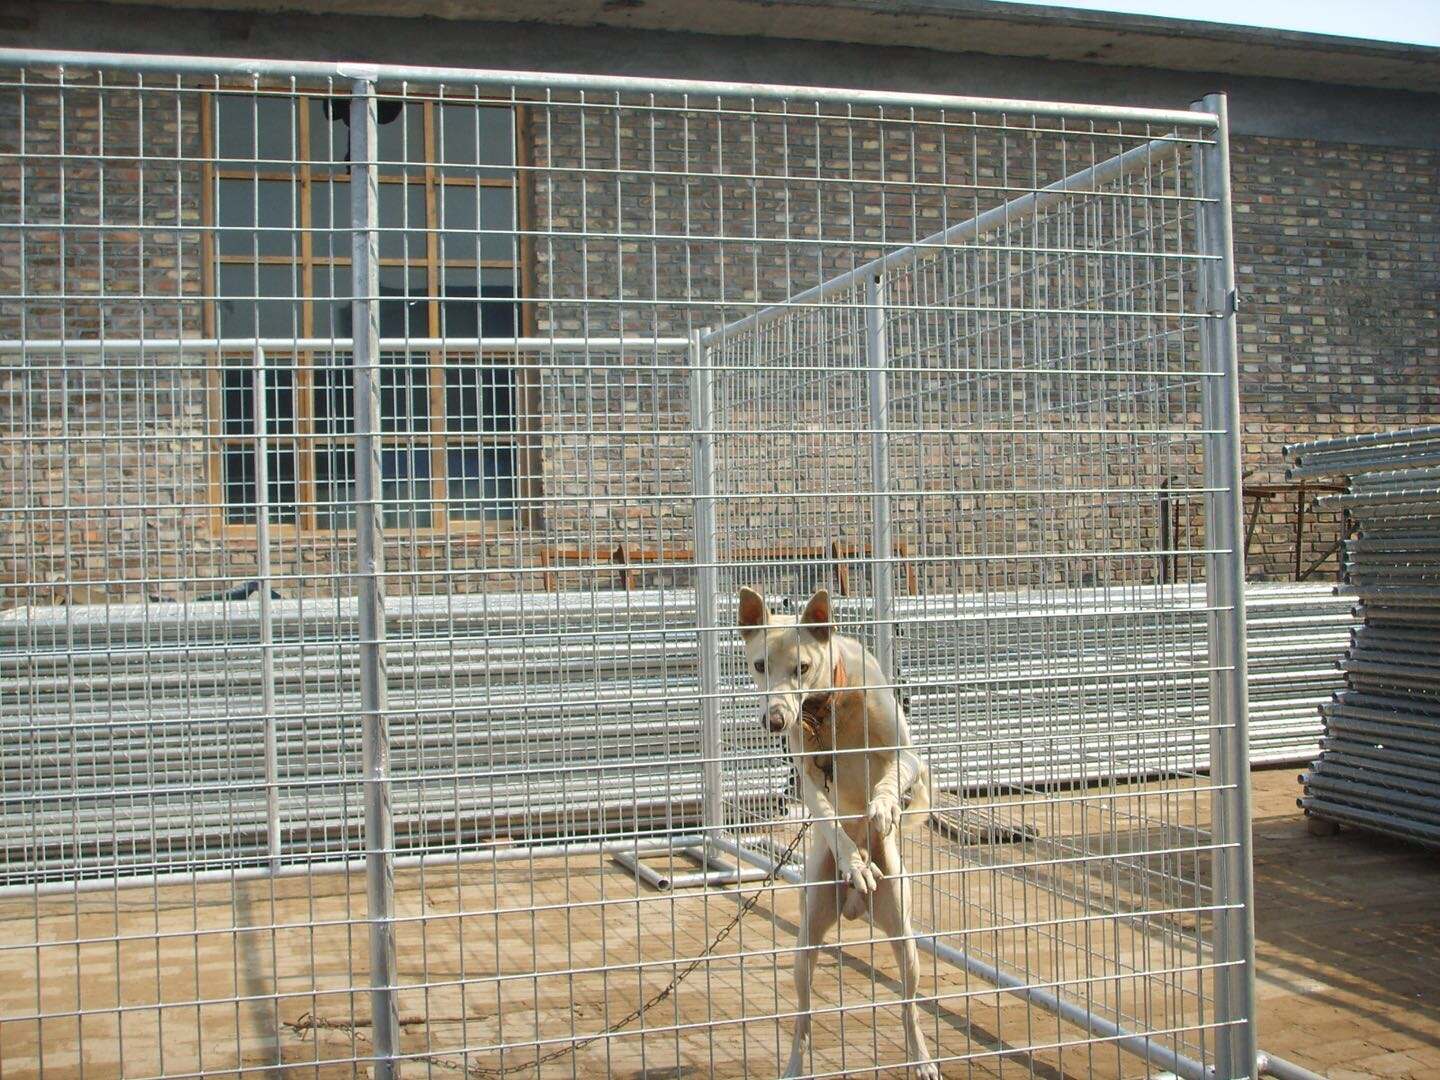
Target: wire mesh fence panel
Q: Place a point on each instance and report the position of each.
(383, 452)
(1012, 392)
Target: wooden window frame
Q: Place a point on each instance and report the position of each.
(308, 444)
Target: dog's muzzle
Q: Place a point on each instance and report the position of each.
(775, 719)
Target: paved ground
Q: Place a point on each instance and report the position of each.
(179, 980)
(1348, 941)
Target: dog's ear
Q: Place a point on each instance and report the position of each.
(753, 612)
(816, 616)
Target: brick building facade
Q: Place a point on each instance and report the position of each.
(1337, 244)
(1338, 253)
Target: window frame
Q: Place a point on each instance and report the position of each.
(300, 176)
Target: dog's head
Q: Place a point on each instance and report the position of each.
(789, 657)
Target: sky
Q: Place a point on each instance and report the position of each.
(1413, 21)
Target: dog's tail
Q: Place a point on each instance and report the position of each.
(915, 783)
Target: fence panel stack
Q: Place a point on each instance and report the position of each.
(142, 749)
(1379, 766)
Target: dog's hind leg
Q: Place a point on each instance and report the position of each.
(891, 905)
(817, 918)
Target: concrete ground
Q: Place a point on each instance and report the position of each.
(181, 979)
(1348, 942)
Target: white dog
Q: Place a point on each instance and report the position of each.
(827, 694)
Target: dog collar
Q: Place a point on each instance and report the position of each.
(815, 708)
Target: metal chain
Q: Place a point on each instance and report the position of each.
(308, 1022)
(660, 995)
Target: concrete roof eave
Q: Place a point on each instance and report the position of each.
(961, 26)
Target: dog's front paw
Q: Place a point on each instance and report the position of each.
(862, 875)
(927, 1070)
(884, 814)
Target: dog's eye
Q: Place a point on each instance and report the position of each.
(805, 668)
(760, 667)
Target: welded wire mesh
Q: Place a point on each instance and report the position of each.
(1042, 384)
(274, 802)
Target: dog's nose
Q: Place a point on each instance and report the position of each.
(775, 719)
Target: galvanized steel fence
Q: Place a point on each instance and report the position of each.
(382, 450)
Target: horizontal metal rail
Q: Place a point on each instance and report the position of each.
(312, 344)
(232, 67)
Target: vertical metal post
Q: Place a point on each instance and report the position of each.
(877, 363)
(262, 584)
(369, 554)
(1166, 559)
(1347, 526)
(1234, 947)
(702, 418)
(1299, 527)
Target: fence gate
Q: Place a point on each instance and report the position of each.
(382, 450)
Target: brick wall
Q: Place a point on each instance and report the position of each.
(83, 497)
(1338, 260)
(642, 208)
(665, 222)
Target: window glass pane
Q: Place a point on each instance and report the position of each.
(251, 127)
(238, 398)
(243, 307)
(496, 222)
(404, 394)
(400, 128)
(404, 306)
(335, 487)
(467, 307)
(330, 285)
(330, 219)
(280, 400)
(470, 135)
(235, 213)
(479, 397)
(329, 139)
(334, 393)
(239, 484)
(281, 469)
(239, 402)
(404, 303)
(402, 221)
(481, 482)
(405, 487)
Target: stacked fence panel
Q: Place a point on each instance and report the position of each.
(1380, 755)
(143, 751)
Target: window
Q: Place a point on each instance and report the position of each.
(278, 198)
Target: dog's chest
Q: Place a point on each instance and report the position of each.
(843, 775)
(815, 748)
